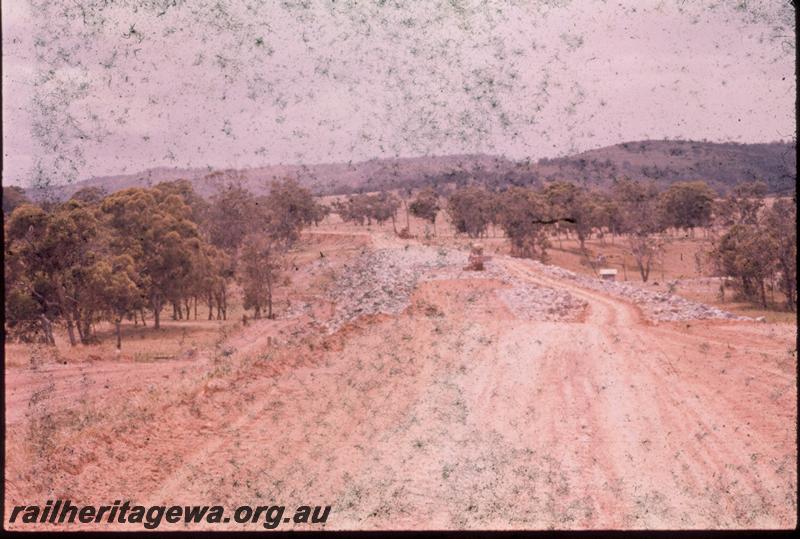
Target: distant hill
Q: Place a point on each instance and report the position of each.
(720, 164)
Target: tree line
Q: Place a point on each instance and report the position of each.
(751, 243)
(140, 251)
(136, 253)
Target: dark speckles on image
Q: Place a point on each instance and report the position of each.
(95, 88)
(436, 264)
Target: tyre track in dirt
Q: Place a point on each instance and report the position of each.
(680, 402)
(572, 425)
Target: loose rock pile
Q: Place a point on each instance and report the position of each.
(533, 302)
(655, 305)
(381, 281)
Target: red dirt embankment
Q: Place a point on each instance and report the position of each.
(457, 412)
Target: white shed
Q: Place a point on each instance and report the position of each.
(608, 274)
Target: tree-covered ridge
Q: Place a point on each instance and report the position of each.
(721, 165)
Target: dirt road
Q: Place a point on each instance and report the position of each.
(457, 414)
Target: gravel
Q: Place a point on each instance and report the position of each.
(380, 281)
(660, 306)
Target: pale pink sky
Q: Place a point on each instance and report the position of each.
(93, 90)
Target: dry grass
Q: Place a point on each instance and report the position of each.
(143, 344)
(175, 339)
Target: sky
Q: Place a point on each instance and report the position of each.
(92, 89)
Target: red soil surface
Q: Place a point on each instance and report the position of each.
(462, 416)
